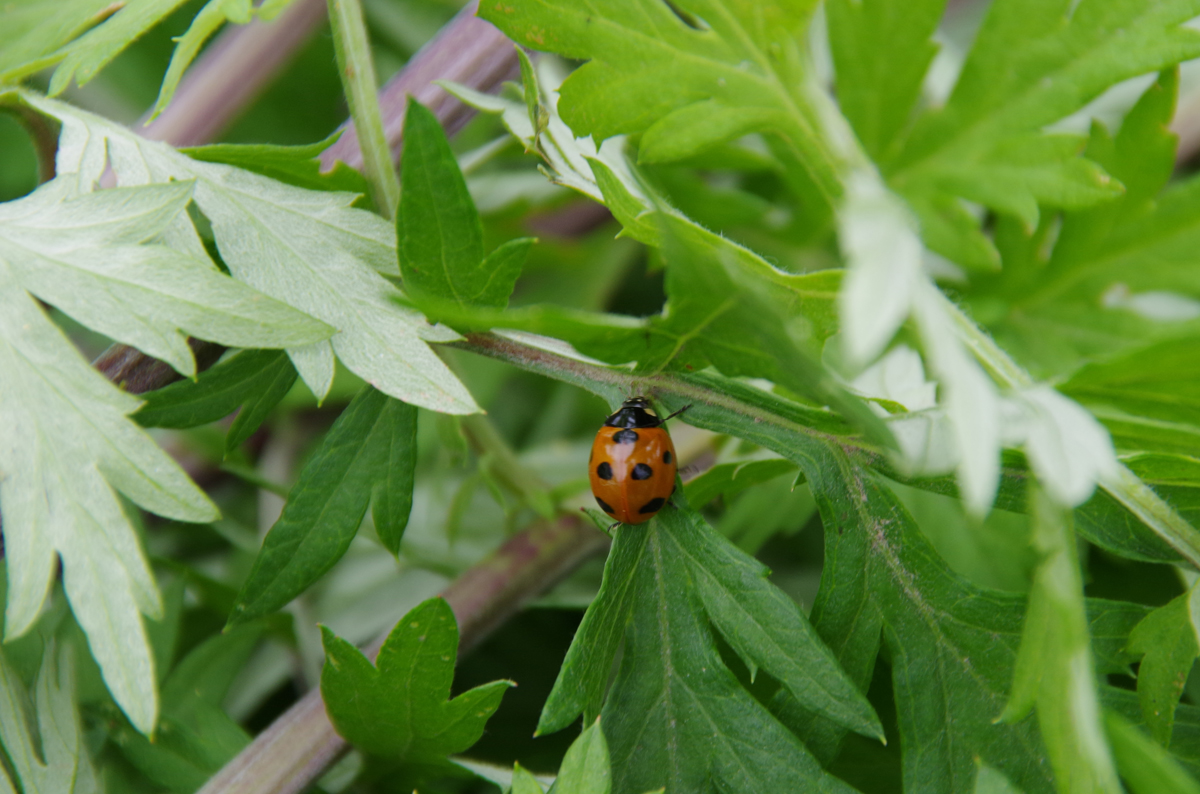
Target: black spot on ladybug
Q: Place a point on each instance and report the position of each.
(666, 456)
(642, 472)
(605, 507)
(625, 436)
(653, 506)
(604, 471)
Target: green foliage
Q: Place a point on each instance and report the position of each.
(787, 239)
(253, 380)
(1166, 641)
(44, 745)
(673, 681)
(369, 449)
(310, 250)
(399, 707)
(440, 236)
(97, 257)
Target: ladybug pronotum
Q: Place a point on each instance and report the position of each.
(632, 466)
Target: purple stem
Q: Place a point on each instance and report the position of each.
(467, 50)
(230, 75)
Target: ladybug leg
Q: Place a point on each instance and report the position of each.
(677, 413)
(613, 526)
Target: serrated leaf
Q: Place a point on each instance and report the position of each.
(399, 707)
(92, 256)
(676, 715)
(310, 250)
(1167, 641)
(31, 30)
(1032, 64)
(83, 58)
(762, 624)
(688, 85)
(584, 674)
(439, 231)
(330, 498)
(68, 446)
(1135, 240)
(48, 752)
(254, 380)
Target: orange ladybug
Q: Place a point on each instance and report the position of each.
(632, 466)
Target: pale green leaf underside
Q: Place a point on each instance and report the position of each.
(69, 444)
(93, 258)
(48, 752)
(308, 249)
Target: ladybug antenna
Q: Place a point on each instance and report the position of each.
(677, 413)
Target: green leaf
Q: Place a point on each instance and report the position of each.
(524, 783)
(32, 30)
(677, 716)
(1146, 767)
(1032, 64)
(398, 708)
(1053, 668)
(989, 781)
(585, 671)
(727, 479)
(440, 235)
(69, 444)
(1166, 641)
(310, 250)
(585, 768)
(687, 84)
(1160, 382)
(195, 737)
(1132, 240)
(763, 625)
(92, 256)
(255, 380)
(881, 50)
(330, 498)
(952, 646)
(48, 753)
(298, 166)
(207, 21)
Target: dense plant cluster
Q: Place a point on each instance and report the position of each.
(925, 274)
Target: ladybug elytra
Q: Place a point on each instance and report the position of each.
(632, 466)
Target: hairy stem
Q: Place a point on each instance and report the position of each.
(299, 746)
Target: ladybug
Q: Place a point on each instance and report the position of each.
(632, 466)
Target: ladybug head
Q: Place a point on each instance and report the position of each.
(634, 412)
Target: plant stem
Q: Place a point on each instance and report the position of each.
(301, 744)
(357, 70)
(467, 50)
